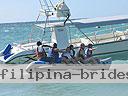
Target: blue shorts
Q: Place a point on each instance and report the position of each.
(58, 60)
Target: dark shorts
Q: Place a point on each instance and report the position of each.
(58, 60)
(47, 59)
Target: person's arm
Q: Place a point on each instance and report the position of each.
(47, 46)
(58, 50)
(92, 49)
(61, 51)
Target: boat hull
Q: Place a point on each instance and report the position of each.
(111, 47)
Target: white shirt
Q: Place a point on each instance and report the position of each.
(85, 52)
(50, 52)
(67, 54)
(40, 49)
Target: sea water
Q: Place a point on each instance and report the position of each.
(25, 32)
(63, 90)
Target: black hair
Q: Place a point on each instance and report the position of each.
(39, 43)
(67, 48)
(90, 45)
(54, 45)
(71, 46)
(82, 44)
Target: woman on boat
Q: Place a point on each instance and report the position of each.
(41, 54)
(67, 57)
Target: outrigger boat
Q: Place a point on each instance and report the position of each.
(114, 42)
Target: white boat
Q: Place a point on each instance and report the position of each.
(114, 42)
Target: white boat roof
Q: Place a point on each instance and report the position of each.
(50, 24)
(92, 22)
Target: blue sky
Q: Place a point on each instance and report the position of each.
(27, 10)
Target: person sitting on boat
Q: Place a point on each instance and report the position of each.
(81, 53)
(72, 51)
(54, 53)
(41, 54)
(88, 53)
(67, 58)
(85, 56)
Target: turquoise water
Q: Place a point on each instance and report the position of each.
(63, 90)
(20, 32)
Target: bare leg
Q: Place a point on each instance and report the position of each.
(81, 60)
(73, 61)
(65, 60)
(91, 59)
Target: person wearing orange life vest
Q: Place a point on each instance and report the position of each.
(41, 54)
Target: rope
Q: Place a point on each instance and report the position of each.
(38, 17)
(70, 35)
(81, 31)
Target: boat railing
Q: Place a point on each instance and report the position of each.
(114, 33)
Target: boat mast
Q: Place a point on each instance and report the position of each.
(60, 10)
